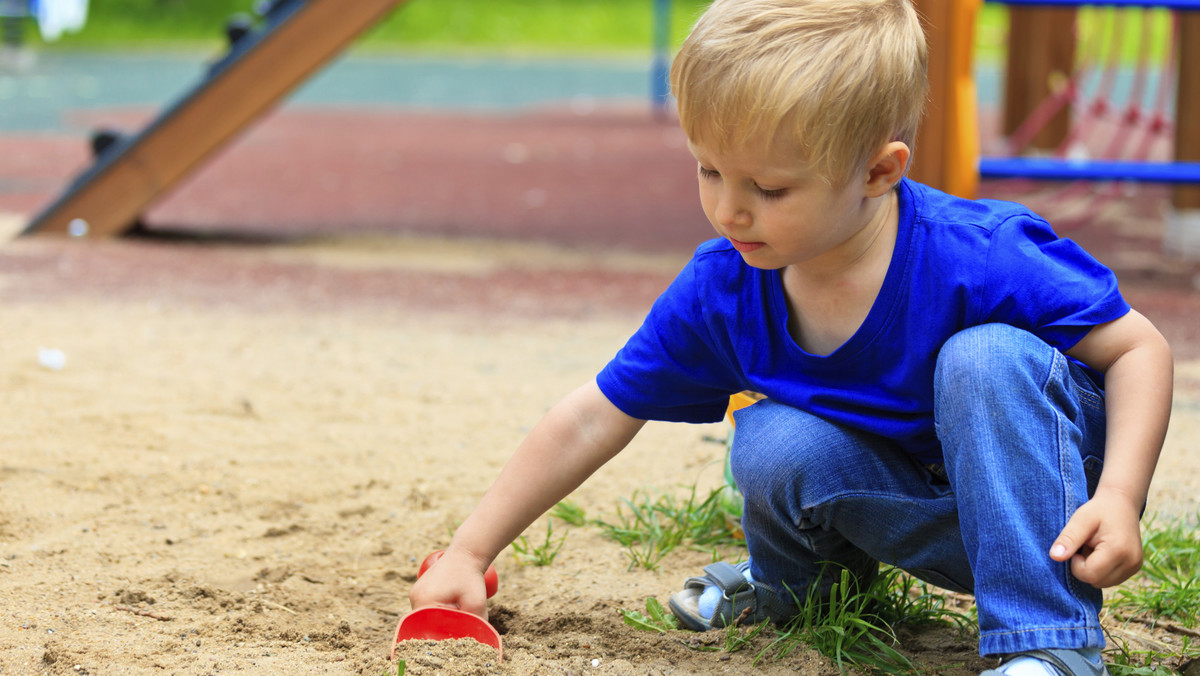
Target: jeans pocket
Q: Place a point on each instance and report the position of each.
(1092, 466)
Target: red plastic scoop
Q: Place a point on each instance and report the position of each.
(437, 623)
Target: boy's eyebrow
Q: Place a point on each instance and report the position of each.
(798, 170)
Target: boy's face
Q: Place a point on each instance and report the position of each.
(773, 208)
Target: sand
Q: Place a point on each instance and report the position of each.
(249, 447)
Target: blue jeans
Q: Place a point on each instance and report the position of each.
(1022, 433)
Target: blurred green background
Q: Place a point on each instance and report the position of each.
(525, 27)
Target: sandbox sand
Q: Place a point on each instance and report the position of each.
(249, 448)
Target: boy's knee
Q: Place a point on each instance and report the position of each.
(767, 446)
(747, 461)
(981, 356)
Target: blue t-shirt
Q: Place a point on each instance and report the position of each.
(721, 327)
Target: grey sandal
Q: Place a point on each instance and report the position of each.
(741, 602)
(1067, 662)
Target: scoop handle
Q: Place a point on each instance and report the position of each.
(491, 579)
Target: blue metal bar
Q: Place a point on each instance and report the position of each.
(1193, 5)
(660, 68)
(1093, 170)
(1089, 170)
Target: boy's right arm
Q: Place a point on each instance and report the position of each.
(574, 439)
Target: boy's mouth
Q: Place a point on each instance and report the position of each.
(744, 247)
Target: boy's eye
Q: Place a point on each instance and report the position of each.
(707, 174)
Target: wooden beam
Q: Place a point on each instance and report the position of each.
(947, 152)
(926, 163)
(1041, 58)
(1187, 105)
(298, 38)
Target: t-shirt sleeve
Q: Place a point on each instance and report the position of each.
(1047, 285)
(671, 369)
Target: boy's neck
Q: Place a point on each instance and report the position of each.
(872, 244)
(829, 299)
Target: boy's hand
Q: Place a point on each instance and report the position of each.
(1102, 540)
(569, 443)
(455, 581)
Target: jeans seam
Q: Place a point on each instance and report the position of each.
(1060, 372)
(1030, 630)
(1090, 399)
(1087, 397)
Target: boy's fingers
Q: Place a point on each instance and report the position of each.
(1099, 555)
(1080, 529)
(1062, 549)
(1068, 542)
(1104, 566)
(1098, 573)
(1086, 568)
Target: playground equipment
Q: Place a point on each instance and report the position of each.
(1122, 109)
(1044, 83)
(660, 68)
(271, 56)
(266, 60)
(948, 144)
(1048, 52)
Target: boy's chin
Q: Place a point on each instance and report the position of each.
(754, 262)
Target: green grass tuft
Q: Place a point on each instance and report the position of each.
(650, 528)
(1168, 586)
(855, 626)
(570, 513)
(856, 629)
(542, 554)
(656, 618)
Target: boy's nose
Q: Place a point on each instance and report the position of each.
(730, 212)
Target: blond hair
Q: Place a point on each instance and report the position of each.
(838, 78)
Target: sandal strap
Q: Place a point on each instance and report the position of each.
(756, 601)
(709, 579)
(728, 578)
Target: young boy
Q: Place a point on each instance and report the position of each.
(950, 388)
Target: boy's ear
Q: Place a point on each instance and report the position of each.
(887, 168)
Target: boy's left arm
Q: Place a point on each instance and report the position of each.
(1103, 538)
